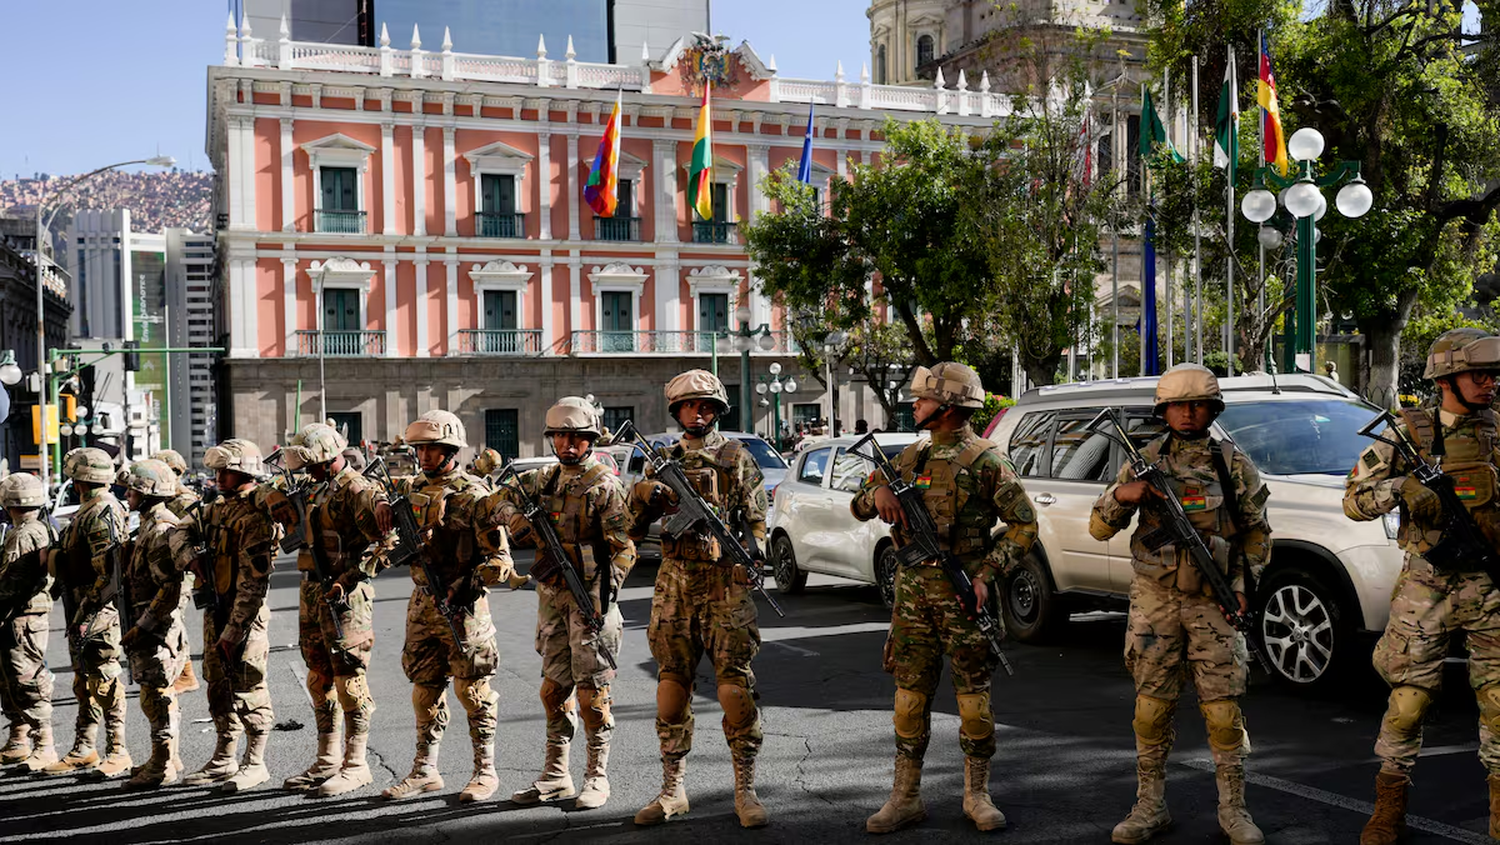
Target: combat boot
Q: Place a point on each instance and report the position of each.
(17, 746)
(1234, 819)
(746, 803)
(81, 757)
(673, 800)
(1387, 823)
(595, 780)
(117, 760)
(979, 808)
(219, 767)
(187, 681)
(42, 752)
(424, 775)
(158, 770)
(325, 766)
(252, 771)
(1149, 816)
(904, 808)
(355, 772)
(484, 782)
(555, 784)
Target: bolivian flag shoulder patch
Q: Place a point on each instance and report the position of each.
(924, 482)
(1193, 499)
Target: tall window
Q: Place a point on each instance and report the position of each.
(341, 310)
(616, 417)
(626, 194)
(1133, 143)
(340, 212)
(497, 214)
(502, 431)
(500, 310)
(617, 322)
(625, 225)
(713, 312)
(880, 65)
(721, 202)
(351, 423)
(924, 50)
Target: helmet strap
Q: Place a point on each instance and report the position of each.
(1458, 394)
(931, 419)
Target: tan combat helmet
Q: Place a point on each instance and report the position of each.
(173, 459)
(486, 462)
(316, 443)
(89, 465)
(1188, 383)
(355, 458)
(573, 414)
(1461, 350)
(950, 383)
(236, 454)
(150, 478)
(442, 428)
(694, 384)
(22, 490)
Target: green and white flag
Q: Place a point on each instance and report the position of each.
(1227, 124)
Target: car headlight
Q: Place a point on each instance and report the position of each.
(1392, 523)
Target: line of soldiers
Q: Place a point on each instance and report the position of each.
(351, 527)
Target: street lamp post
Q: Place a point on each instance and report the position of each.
(41, 304)
(1303, 197)
(742, 340)
(831, 344)
(776, 385)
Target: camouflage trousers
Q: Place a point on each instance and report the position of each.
(569, 649)
(699, 608)
(25, 680)
(431, 656)
(96, 668)
(1428, 608)
(1170, 633)
(156, 659)
(238, 695)
(334, 662)
(929, 621)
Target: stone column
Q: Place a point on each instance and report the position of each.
(544, 182)
(288, 178)
(419, 179)
(388, 180)
(423, 347)
(450, 183)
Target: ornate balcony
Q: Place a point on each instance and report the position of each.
(617, 228)
(714, 232)
(499, 341)
(341, 344)
(341, 222)
(664, 343)
(493, 224)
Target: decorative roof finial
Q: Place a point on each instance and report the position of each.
(541, 46)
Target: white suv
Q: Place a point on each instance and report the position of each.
(1328, 579)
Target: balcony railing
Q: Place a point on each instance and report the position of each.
(341, 344)
(501, 224)
(499, 341)
(341, 222)
(663, 343)
(714, 232)
(617, 228)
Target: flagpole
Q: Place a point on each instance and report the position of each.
(1166, 98)
(1260, 293)
(1197, 232)
(1234, 149)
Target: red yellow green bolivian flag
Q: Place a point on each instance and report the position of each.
(701, 171)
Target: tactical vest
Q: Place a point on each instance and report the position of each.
(75, 563)
(963, 525)
(323, 530)
(226, 519)
(712, 480)
(567, 505)
(1469, 460)
(451, 548)
(1204, 498)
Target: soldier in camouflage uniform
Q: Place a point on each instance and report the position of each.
(968, 485)
(587, 504)
(1174, 626)
(341, 525)
(470, 556)
(153, 590)
(241, 530)
(1431, 605)
(700, 606)
(83, 563)
(25, 602)
(183, 500)
(486, 463)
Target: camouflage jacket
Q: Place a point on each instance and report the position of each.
(1237, 539)
(183, 502)
(154, 578)
(341, 522)
(25, 584)
(243, 535)
(587, 505)
(455, 536)
(1470, 458)
(967, 486)
(729, 479)
(83, 565)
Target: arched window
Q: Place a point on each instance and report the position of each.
(880, 65)
(924, 50)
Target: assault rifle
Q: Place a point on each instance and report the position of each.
(1178, 530)
(692, 512)
(1462, 547)
(923, 544)
(541, 524)
(205, 596)
(409, 549)
(323, 571)
(296, 493)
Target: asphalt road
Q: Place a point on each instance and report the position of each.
(1064, 771)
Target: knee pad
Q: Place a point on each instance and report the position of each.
(557, 698)
(1489, 707)
(738, 704)
(671, 699)
(593, 705)
(976, 720)
(353, 693)
(1153, 719)
(1226, 725)
(474, 695)
(318, 686)
(155, 704)
(1408, 704)
(427, 700)
(910, 714)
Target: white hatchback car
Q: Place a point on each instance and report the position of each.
(811, 529)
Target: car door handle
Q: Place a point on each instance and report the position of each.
(1044, 499)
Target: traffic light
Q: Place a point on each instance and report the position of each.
(132, 358)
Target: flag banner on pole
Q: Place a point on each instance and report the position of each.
(701, 171)
(1273, 139)
(1153, 131)
(1227, 124)
(1152, 366)
(804, 169)
(602, 190)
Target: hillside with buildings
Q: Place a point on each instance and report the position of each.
(157, 200)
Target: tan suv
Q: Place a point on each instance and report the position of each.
(1329, 579)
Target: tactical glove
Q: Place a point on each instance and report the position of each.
(1420, 501)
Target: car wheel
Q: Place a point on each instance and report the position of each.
(789, 577)
(1302, 628)
(1032, 611)
(887, 564)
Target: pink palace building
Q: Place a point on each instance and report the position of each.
(404, 229)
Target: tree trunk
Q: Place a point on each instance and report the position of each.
(1384, 333)
(1042, 371)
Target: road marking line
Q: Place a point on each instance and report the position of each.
(1333, 799)
(794, 649)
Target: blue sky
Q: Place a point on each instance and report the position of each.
(97, 81)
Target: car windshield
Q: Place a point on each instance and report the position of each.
(764, 454)
(1300, 436)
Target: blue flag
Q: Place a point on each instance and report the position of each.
(1148, 301)
(804, 170)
